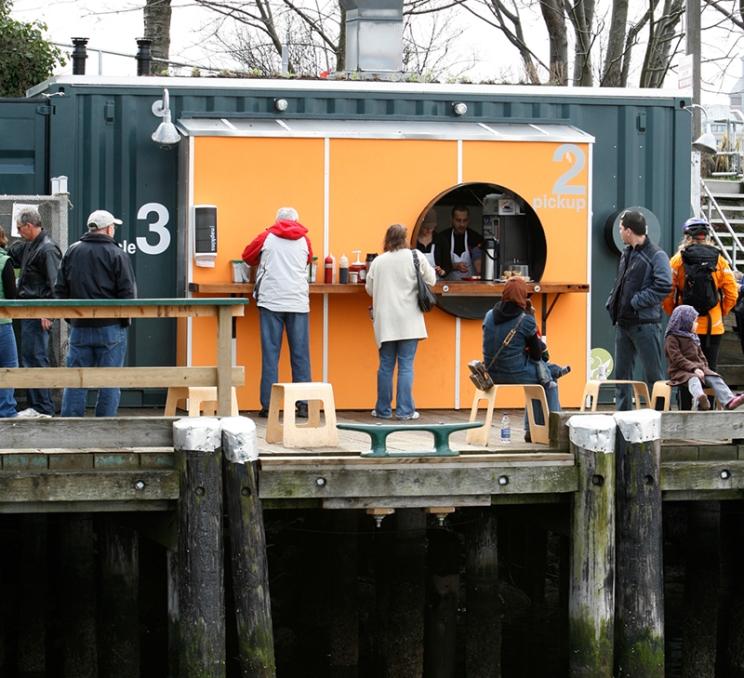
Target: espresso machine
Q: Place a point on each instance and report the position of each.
(490, 256)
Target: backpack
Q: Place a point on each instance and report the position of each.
(700, 291)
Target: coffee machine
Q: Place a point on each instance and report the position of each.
(490, 259)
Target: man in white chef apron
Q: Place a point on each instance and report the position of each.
(456, 245)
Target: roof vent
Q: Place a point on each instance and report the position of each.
(374, 36)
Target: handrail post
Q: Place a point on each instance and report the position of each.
(224, 361)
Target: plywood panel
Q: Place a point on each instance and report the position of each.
(554, 180)
(375, 183)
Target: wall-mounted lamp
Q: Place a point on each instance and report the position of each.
(459, 108)
(281, 105)
(706, 142)
(166, 134)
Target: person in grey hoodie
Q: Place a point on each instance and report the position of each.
(282, 253)
(644, 279)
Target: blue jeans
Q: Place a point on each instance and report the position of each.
(95, 347)
(404, 351)
(644, 342)
(273, 324)
(35, 353)
(8, 358)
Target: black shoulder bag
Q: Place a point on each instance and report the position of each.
(426, 298)
(479, 371)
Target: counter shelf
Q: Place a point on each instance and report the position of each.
(445, 288)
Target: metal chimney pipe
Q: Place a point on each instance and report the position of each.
(144, 56)
(79, 55)
(374, 35)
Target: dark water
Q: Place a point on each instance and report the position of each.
(334, 580)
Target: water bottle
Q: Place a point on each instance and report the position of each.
(505, 433)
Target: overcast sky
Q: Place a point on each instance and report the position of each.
(116, 29)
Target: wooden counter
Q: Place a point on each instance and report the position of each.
(449, 288)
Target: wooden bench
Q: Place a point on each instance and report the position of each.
(224, 376)
(378, 434)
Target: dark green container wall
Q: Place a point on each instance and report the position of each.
(23, 146)
(100, 138)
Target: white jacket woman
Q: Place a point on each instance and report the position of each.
(398, 321)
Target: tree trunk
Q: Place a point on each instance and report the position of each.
(613, 67)
(555, 22)
(157, 28)
(659, 50)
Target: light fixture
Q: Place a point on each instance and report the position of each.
(166, 134)
(459, 108)
(281, 105)
(706, 142)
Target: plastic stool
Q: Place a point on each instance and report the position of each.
(591, 392)
(312, 434)
(540, 433)
(200, 399)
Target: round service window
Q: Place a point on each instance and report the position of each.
(451, 231)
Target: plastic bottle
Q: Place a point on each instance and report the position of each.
(328, 268)
(505, 432)
(343, 270)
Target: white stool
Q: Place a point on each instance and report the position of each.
(200, 399)
(312, 434)
(539, 433)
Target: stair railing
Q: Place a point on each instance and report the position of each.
(737, 244)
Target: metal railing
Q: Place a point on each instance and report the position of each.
(732, 252)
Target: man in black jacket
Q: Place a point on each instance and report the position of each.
(95, 267)
(644, 279)
(38, 256)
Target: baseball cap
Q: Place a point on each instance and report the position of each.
(101, 219)
(695, 226)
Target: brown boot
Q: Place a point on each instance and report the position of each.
(703, 404)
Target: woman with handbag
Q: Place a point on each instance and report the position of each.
(512, 348)
(392, 282)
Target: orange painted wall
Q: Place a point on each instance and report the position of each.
(529, 169)
(374, 183)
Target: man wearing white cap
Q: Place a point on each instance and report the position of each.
(95, 267)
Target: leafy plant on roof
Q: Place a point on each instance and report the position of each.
(26, 57)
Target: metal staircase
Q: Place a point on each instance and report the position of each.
(722, 204)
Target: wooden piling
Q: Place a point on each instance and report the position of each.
(639, 619)
(484, 606)
(591, 607)
(201, 601)
(442, 596)
(702, 586)
(33, 596)
(403, 653)
(118, 548)
(171, 564)
(343, 598)
(77, 616)
(250, 574)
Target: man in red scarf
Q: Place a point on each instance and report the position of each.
(282, 253)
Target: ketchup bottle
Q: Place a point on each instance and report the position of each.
(328, 267)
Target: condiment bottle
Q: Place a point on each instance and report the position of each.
(329, 266)
(356, 268)
(343, 270)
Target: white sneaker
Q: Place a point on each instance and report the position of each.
(415, 415)
(31, 413)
